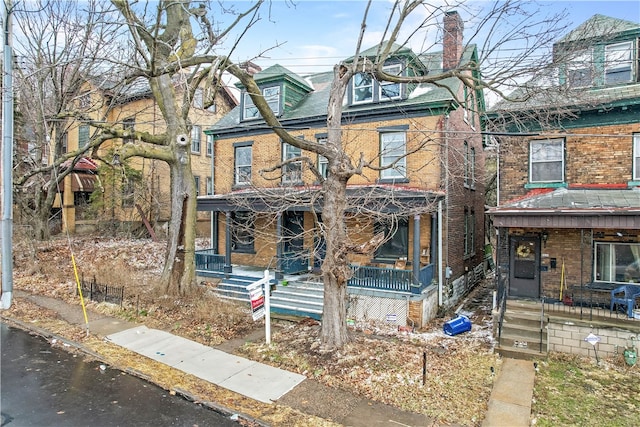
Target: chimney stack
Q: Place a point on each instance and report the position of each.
(452, 40)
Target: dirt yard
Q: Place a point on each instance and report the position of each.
(381, 363)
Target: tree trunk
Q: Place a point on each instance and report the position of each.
(178, 276)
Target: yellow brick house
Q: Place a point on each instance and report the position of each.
(429, 205)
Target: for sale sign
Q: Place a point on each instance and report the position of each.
(257, 302)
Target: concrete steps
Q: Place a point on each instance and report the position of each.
(302, 299)
(523, 334)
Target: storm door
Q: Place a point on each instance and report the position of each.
(524, 275)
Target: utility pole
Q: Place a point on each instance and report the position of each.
(7, 162)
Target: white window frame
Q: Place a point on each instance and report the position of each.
(393, 69)
(368, 80)
(84, 135)
(241, 177)
(292, 172)
(249, 110)
(636, 156)
(393, 146)
(196, 180)
(534, 152)
(209, 184)
(323, 162)
(196, 139)
(272, 96)
(210, 145)
(198, 98)
(613, 272)
(618, 57)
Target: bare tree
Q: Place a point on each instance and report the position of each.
(59, 49)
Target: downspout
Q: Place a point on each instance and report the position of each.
(227, 244)
(7, 164)
(213, 233)
(440, 261)
(416, 250)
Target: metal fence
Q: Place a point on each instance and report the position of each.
(102, 293)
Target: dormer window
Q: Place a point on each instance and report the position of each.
(362, 88)
(618, 65)
(579, 69)
(271, 95)
(365, 89)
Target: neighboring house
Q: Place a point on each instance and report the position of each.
(568, 214)
(125, 197)
(439, 187)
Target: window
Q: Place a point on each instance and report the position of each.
(63, 144)
(466, 154)
(546, 161)
(362, 88)
(128, 125)
(618, 63)
(242, 234)
(469, 231)
(85, 100)
(128, 192)
(198, 98)
(209, 145)
(396, 235)
(617, 262)
(243, 156)
(579, 69)
(196, 180)
(636, 156)
(83, 136)
(392, 152)
(291, 172)
(323, 163)
(390, 90)
(472, 168)
(271, 96)
(209, 186)
(195, 139)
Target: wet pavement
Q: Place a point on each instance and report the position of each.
(43, 385)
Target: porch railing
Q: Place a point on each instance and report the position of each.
(390, 279)
(208, 260)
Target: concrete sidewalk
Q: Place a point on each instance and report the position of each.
(510, 401)
(509, 404)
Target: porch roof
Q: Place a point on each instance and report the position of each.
(572, 208)
(369, 199)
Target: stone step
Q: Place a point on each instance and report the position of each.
(523, 331)
(516, 341)
(520, 353)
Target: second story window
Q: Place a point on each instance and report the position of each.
(291, 172)
(469, 231)
(392, 155)
(546, 161)
(243, 157)
(323, 163)
(209, 145)
(195, 139)
(618, 65)
(198, 98)
(83, 136)
(128, 125)
(362, 88)
(636, 156)
(209, 186)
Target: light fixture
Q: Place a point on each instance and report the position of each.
(545, 237)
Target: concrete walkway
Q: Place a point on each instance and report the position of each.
(510, 401)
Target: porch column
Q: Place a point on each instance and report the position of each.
(416, 250)
(227, 245)
(279, 275)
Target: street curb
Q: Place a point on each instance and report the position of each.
(220, 409)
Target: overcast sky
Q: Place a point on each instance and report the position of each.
(314, 35)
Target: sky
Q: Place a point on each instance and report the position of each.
(314, 35)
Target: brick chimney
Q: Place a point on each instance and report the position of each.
(452, 40)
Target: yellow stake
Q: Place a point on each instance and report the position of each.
(84, 309)
(561, 279)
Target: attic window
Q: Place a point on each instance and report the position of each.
(390, 90)
(362, 88)
(271, 95)
(618, 66)
(579, 69)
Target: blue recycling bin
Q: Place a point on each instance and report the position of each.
(457, 326)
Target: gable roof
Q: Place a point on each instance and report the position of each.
(313, 106)
(598, 27)
(277, 73)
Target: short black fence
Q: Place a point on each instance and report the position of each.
(102, 293)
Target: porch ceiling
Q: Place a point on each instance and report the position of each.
(362, 199)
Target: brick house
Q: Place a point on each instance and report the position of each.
(436, 189)
(568, 214)
(135, 109)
